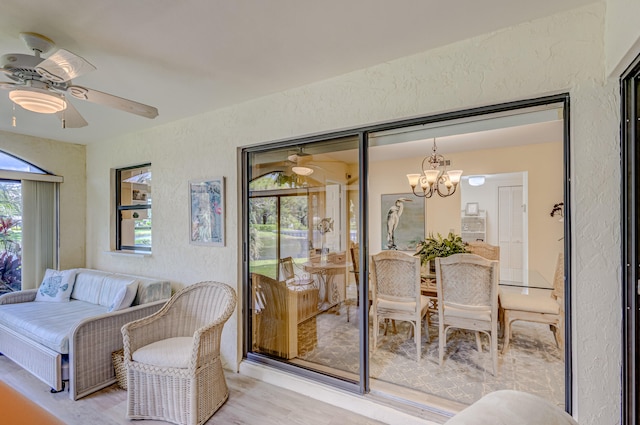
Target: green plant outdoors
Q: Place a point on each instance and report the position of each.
(437, 246)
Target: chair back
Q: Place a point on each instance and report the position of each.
(199, 305)
(467, 281)
(395, 276)
(272, 328)
(558, 280)
(286, 269)
(483, 249)
(355, 261)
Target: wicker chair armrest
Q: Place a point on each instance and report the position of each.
(206, 344)
(19, 296)
(207, 338)
(91, 343)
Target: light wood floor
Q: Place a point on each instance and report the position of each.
(250, 402)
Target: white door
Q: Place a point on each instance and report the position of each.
(511, 232)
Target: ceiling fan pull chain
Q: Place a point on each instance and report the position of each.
(13, 118)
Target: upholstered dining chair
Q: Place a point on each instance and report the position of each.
(537, 308)
(174, 371)
(468, 299)
(395, 280)
(483, 249)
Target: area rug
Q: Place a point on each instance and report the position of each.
(533, 363)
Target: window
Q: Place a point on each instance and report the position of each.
(10, 236)
(133, 208)
(28, 223)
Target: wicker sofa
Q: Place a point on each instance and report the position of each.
(73, 341)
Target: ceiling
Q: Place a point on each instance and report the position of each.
(192, 56)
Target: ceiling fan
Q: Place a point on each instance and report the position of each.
(299, 161)
(305, 164)
(44, 85)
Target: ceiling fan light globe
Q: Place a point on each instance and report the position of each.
(40, 101)
(302, 171)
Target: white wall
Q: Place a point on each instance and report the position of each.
(558, 54)
(542, 161)
(66, 160)
(622, 35)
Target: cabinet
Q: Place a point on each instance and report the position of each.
(474, 227)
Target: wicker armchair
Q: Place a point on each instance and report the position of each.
(468, 299)
(174, 371)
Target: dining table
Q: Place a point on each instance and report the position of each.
(532, 282)
(331, 293)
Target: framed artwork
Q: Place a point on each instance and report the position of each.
(402, 217)
(472, 208)
(206, 211)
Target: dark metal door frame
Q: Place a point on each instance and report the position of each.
(630, 210)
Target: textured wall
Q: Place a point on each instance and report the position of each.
(66, 160)
(622, 35)
(553, 55)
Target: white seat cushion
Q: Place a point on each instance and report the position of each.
(403, 306)
(467, 312)
(49, 324)
(534, 303)
(512, 407)
(170, 352)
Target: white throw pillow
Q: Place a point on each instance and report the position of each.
(124, 297)
(56, 286)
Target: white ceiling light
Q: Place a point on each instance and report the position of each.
(302, 171)
(476, 180)
(38, 100)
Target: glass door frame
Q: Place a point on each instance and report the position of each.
(363, 386)
(630, 231)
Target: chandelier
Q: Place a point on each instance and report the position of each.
(435, 177)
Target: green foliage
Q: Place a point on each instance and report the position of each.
(10, 272)
(437, 246)
(255, 243)
(10, 199)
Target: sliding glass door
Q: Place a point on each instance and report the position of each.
(302, 208)
(318, 210)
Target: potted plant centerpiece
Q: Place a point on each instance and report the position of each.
(437, 246)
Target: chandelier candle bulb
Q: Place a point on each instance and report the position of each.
(454, 176)
(413, 179)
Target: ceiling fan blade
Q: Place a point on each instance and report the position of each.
(63, 66)
(101, 98)
(8, 86)
(70, 117)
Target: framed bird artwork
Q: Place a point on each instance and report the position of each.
(402, 219)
